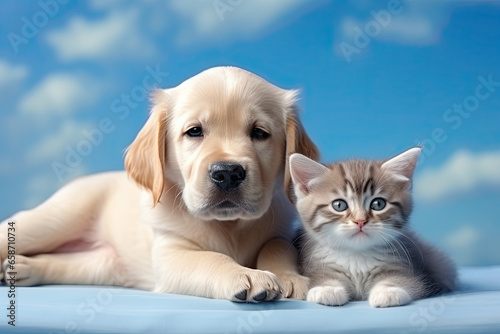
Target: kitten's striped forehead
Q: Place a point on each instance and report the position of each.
(357, 177)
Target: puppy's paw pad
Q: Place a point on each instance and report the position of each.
(328, 295)
(387, 296)
(255, 286)
(264, 286)
(242, 295)
(260, 296)
(294, 285)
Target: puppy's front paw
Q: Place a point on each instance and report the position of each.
(328, 295)
(294, 285)
(2, 270)
(3, 256)
(254, 286)
(26, 273)
(387, 296)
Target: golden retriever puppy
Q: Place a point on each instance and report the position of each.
(202, 209)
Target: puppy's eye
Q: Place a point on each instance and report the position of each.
(195, 132)
(259, 134)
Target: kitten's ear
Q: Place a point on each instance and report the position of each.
(303, 170)
(404, 164)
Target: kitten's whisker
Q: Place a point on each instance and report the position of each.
(306, 269)
(405, 250)
(394, 249)
(415, 244)
(303, 247)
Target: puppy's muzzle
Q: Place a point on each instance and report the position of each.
(226, 175)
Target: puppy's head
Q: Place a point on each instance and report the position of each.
(223, 138)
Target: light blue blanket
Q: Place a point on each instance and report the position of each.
(475, 308)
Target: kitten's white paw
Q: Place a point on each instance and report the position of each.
(328, 295)
(387, 296)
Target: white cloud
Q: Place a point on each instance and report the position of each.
(38, 188)
(404, 30)
(115, 36)
(53, 147)
(418, 23)
(60, 94)
(411, 30)
(200, 22)
(11, 74)
(463, 245)
(463, 172)
(209, 21)
(464, 237)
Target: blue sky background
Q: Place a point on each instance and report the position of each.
(67, 67)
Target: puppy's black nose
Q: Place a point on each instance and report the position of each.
(226, 175)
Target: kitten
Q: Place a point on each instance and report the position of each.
(357, 244)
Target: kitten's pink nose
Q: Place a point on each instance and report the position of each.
(360, 223)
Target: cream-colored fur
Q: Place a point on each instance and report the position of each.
(159, 227)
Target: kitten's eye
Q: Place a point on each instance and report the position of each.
(259, 134)
(339, 205)
(195, 132)
(378, 204)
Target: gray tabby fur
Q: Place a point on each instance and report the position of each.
(382, 261)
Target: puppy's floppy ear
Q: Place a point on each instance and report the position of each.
(145, 157)
(297, 140)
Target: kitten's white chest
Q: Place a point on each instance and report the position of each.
(356, 264)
